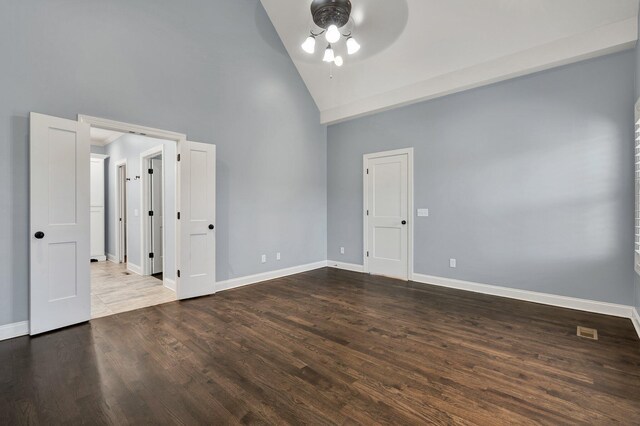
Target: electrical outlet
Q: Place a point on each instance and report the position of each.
(341, 250)
(453, 263)
(264, 258)
(278, 256)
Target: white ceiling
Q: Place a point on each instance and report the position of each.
(102, 137)
(414, 50)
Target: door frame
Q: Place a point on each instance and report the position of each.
(144, 208)
(410, 215)
(118, 254)
(181, 142)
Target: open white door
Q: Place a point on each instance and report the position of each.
(157, 206)
(60, 289)
(197, 240)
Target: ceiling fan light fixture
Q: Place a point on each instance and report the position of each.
(329, 56)
(333, 17)
(309, 45)
(330, 12)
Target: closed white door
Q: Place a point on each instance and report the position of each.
(59, 260)
(97, 233)
(197, 257)
(387, 215)
(97, 208)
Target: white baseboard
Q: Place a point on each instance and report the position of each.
(265, 276)
(530, 296)
(170, 284)
(635, 319)
(346, 266)
(99, 258)
(134, 268)
(112, 258)
(16, 329)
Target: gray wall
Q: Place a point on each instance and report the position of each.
(130, 147)
(636, 280)
(528, 182)
(637, 50)
(97, 149)
(213, 69)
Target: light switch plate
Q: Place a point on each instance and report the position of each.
(278, 256)
(264, 258)
(341, 250)
(423, 212)
(453, 263)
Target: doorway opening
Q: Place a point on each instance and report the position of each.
(60, 267)
(137, 188)
(153, 198)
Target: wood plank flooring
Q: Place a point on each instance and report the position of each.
(328, 347)
(115, 290)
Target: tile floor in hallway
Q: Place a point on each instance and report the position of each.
(114, 289)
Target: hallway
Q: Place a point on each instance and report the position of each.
(115, 290)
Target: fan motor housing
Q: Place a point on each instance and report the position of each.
(330, 12)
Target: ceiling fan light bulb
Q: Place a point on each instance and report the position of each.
(309, 45)
(352, 46)
(329, 56)
(338, 61)
(333, 34)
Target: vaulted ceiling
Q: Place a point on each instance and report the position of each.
(414, 50)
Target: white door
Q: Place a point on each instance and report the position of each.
(197, 256)
(60, 293)
(156, 220)
(387, 215)
(97, 208)
(121, 176)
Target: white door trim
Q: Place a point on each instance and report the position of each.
(131, 128)
(144, 208)
(410, 215)
(118, 164)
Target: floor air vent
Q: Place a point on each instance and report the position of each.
(588, 333)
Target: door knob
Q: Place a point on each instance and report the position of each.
(39, 235)
(404, 222)
(211, 227)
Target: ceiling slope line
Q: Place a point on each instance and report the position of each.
(607, 39)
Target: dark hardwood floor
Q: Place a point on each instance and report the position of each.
(328, 347)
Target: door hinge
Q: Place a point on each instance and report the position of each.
(367, 171)
(150, 212)
(178, 215)
(367, 212)
(150, 255)
(367, 254)
(178, 157)
(178, 273)
(150, 171)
